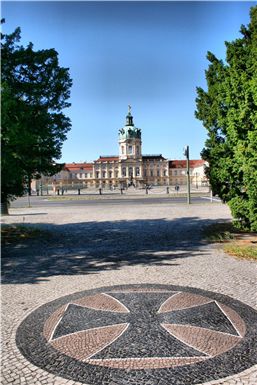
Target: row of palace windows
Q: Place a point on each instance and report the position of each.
(104, 174)
(81, 175)
(116, 174)
(110, 174)
(130, 171)
(152, 173)
(104, 166)
(181, 172)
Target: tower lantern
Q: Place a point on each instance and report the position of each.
(129, 118)
(130, 139)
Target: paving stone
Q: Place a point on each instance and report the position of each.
(134, 245)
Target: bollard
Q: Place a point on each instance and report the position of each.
(146, 190)
(121, 190)
(58, 192)
(37, 192)
(62, 191)
(100, 191)
(168, 190)
(78, 191)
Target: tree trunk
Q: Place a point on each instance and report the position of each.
(4, 208)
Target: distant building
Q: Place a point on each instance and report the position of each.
(178, 172)
(129, 168)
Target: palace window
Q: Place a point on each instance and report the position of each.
(124, 171)
(110, 174)
(137, 171)
(122, 149)
(164, 172)
(145, 172)
(116, 174)
(97, 174)
(158, 172)
(151, 172)
(130, 149)
(104, 174)
(130, 171)
(137, 150)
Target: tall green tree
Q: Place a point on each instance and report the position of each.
(35, 89)
(228, 110)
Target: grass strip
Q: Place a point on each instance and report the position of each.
(241, 251)
(240, 244)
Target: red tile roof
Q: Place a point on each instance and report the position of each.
(182, 163)
(78, 166)
(108, 158)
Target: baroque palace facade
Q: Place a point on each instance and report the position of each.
(129, 168)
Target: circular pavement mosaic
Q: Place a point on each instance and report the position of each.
(141, 334)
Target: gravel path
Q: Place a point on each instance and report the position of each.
(85, 248)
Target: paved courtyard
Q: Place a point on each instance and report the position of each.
(126, 295)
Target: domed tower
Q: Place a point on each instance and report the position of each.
(130, 139)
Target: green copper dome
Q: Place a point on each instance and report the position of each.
(129, 131)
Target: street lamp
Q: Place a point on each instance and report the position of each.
(186, 153)
(41, 186)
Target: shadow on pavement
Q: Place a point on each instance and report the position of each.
(91, 247)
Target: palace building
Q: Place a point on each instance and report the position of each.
(129, 168)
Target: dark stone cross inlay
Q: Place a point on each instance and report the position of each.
(206, 316)
(141, 334)
(145, 336)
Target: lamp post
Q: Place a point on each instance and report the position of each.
(41, 186)
(186, 153)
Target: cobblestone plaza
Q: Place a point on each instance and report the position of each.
(126, 294)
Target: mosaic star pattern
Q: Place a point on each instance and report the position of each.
(167, 334)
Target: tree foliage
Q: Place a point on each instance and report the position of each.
(34, 91)
(228, 110)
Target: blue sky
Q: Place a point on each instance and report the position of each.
(151, 55)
